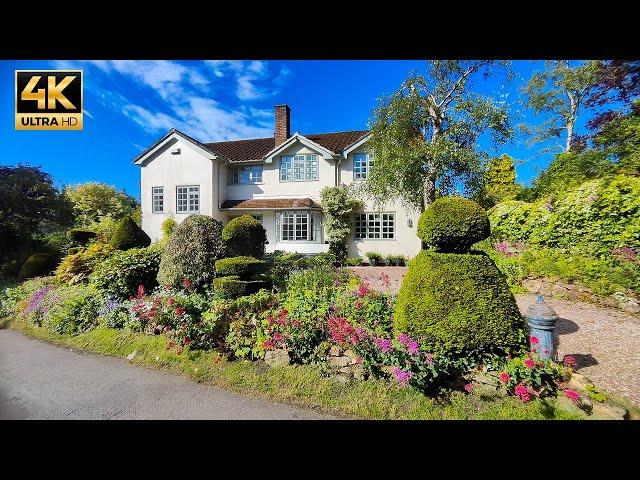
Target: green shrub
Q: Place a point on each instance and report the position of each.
(367, 308)
(515, 221)
(57, 243)
(353, 262)
(459, 304)
(81, 235)
(78, 266)
(244, 236)
(129, 235)
(37, 265)
(244, 267)
(375, 258)
(122, 273)
(280, 265)
(168, 226)
(191, 252)
(13, 300)
(230, 287)
(73, 309)
(453, 224)
(310, 293)
(74, 250)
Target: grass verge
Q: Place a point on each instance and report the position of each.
(298, 385)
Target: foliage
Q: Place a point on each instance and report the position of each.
(37, 265)
(364, 307)
(78, 266)
(338, 203)
(231, 287)
(81, 236)
(93, 202)
(57, 244)
(191, 252)
(122, 273)
(353, 262)
(619, 140)
(375, 258)
(13, 298)
(168, 226)
(424, 136)
(453, 224)
(243, 266)
(129, 235)
(244, 235)
(459, 304)
(498, 182)
(529, 375)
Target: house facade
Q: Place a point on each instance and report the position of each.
(277, 180)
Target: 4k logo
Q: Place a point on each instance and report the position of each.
(48, 99)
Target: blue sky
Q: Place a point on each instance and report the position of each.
(129, 104)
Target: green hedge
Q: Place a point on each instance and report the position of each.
(459, 304)
(122, 273)
(81, 235)
(37, 265)
(129, 235)
(453, 224)
(244, 236)
(243, 267)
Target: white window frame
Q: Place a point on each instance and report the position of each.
(192, 193)
(365, 165)
(235, 175)
(310, 218)
(386, 225)
(307, 166)
(157, 199)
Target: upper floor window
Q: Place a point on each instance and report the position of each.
(245, 175)
(298, 168)
(188, 199)
(158, 199)
(362, 163)
(375, 226)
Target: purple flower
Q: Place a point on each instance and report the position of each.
(401, 376)
(404, 339)
(429, 359)
(35, 302)
(383, 344)
(413, 347)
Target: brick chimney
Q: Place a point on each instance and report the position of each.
(282, 123)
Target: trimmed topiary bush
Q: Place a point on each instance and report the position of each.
(459, 304)
(122, 273)
(129, 235)
(453, 224)
(230, 287)
(81, 235)
(244, 236)
(241, 266)
(37, 265)
(191, 252)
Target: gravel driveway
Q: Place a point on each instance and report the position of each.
(604, 341)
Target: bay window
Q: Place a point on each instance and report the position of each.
(298, 168)
(299, 226)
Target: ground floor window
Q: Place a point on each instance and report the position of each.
(375, 226)
(299, 226)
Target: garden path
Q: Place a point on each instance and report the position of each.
(604, 341)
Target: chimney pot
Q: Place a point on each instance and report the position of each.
(282, 132)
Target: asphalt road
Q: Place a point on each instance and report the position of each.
(43, 381)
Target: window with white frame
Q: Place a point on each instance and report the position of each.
(298, 168)
(299, 226)
(158, 199)
(188, 199)
(375, 226)
(362, 164)
(247, 175)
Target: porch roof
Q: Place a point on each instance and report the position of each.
(270, 204)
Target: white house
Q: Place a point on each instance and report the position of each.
(277, 180)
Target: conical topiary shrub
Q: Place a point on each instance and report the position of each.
(453, 300)
(128, 234)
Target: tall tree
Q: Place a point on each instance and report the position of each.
(499, 182)
(424, 136)
(560, 91)
(94, 202)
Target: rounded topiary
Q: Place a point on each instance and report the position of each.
(244, 267)
(128, 235)
(453, 224)
(37, 265)
(81, 235)
(459, 304)
(244, 236)
(191, 252)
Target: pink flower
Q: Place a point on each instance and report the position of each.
(572, 395)
(358, 305)
(529, 363)
(363, 290)
(296, 324)
(534, 340)
(267, 345)
(534, 350)
(508, 357)
(522, 393)
(505, 377)
(170, 301)
(186, 283)
(404, 339)
(429, 359)
(413, 347)
(569, 360)
(468, 387)
(277, 337)
(179, 311)
(401, 376)
(358, 360)
(140, 290)
(383, 344)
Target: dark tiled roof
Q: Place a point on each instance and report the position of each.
(256, 203)
(257, 148)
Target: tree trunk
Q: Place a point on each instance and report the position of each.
(571, 120)
(429, 188)
(429, 191)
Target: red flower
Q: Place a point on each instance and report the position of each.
(178, 350)
(170, 301)
(179, 311)
(468, 387)
(572, 395)
(296, 324)
(569, 360)
(534, 350)
(140, 290)
(187, 340)
(529, 363)
(358, 305)
(522, 393)
(186, 283)
(277, 337)
(267, 345)
(363, 290)
(505, 377)
(534, 340)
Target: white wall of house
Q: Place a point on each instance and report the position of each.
(406, 242)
